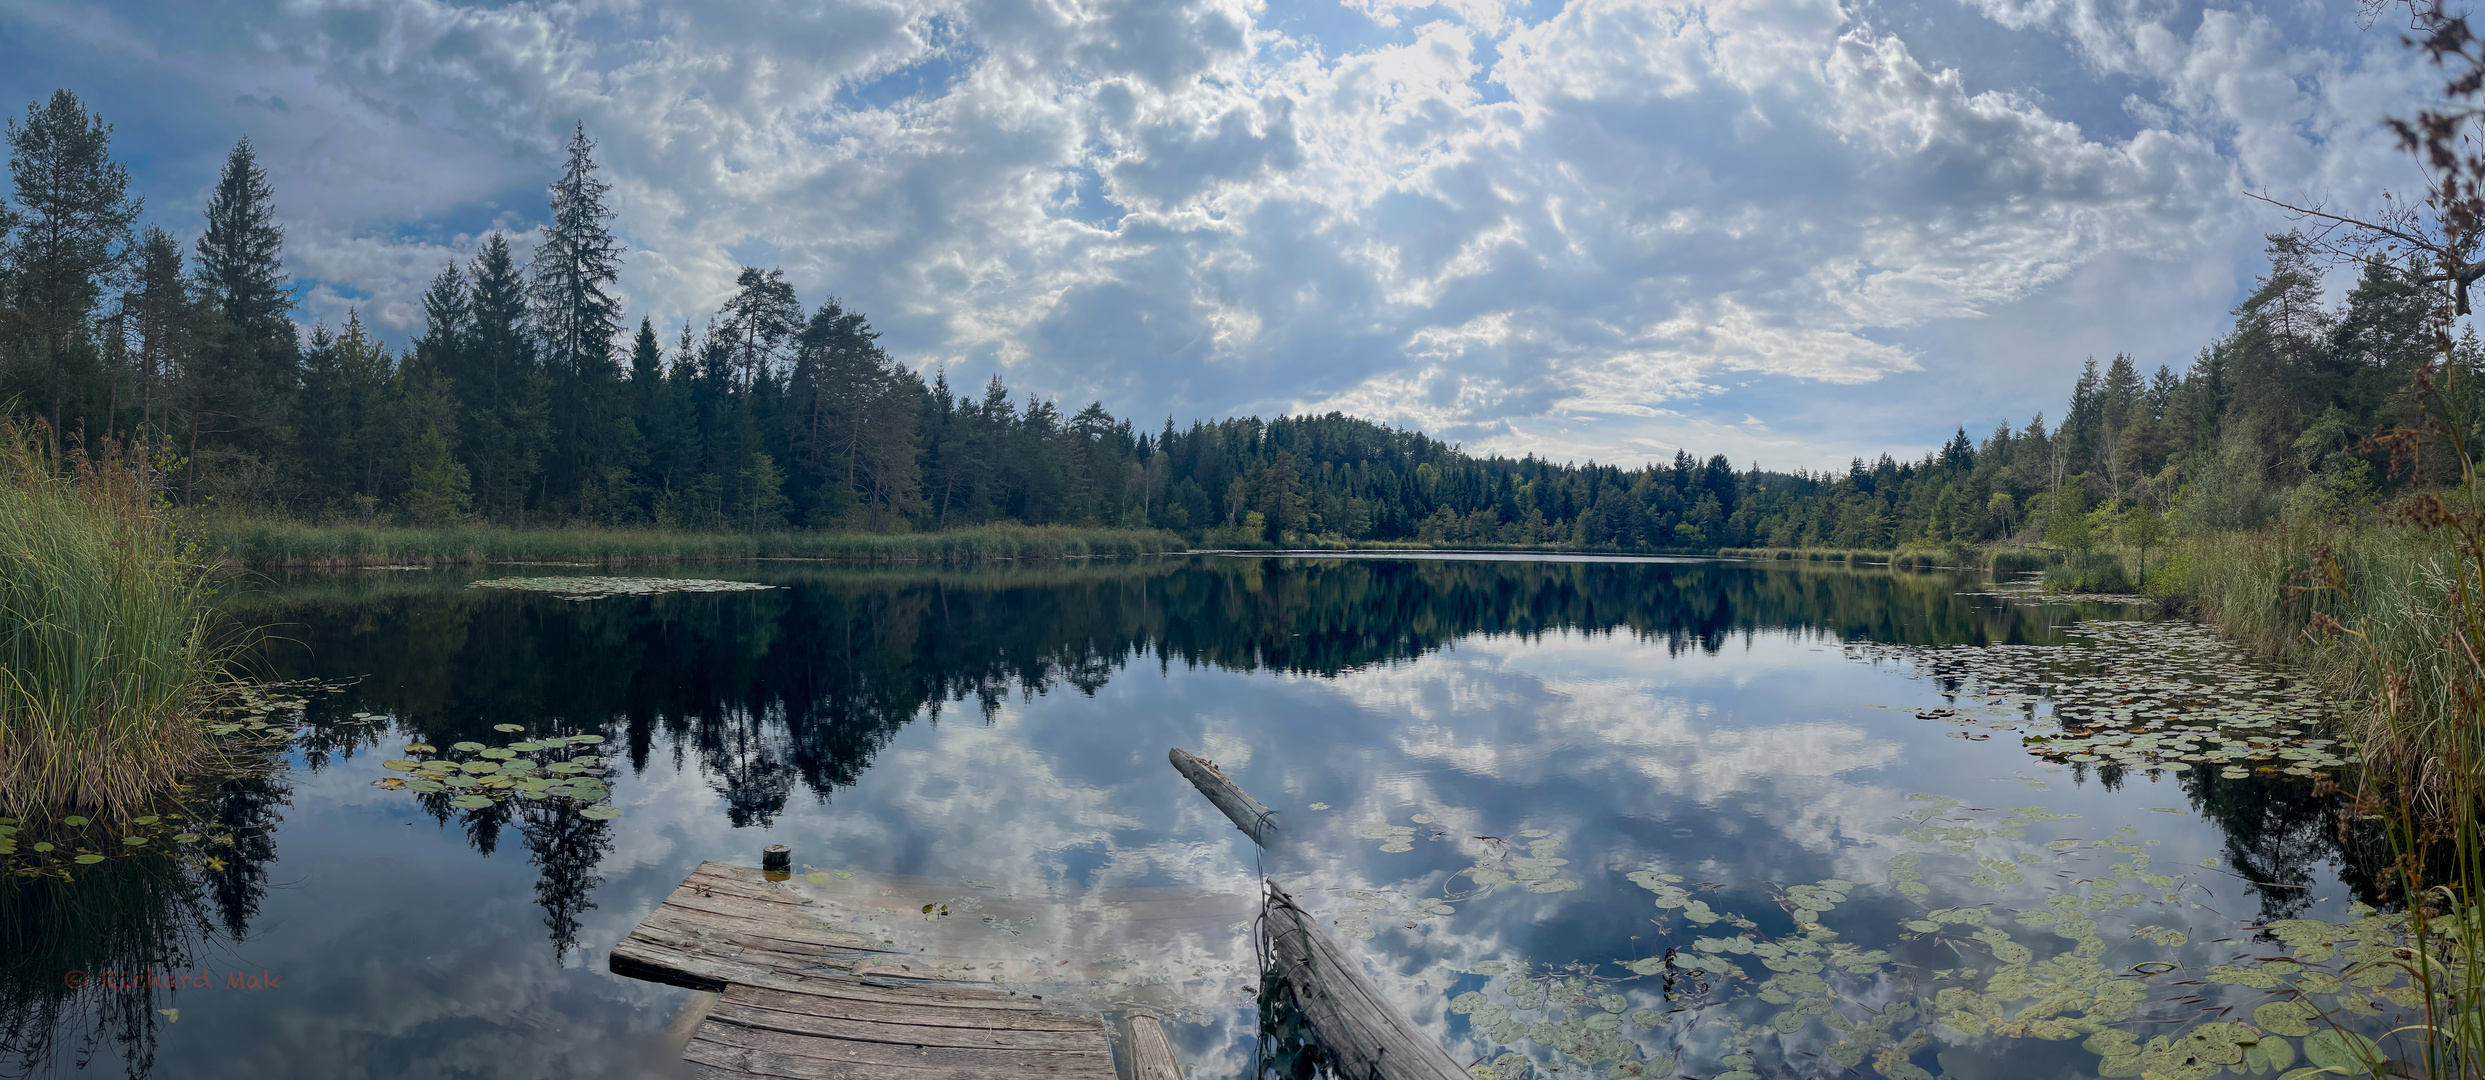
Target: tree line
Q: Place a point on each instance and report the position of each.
(527, 399)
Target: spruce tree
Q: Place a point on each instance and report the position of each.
(500, 388)
(241, 269)
(71, 242)
(576, 316)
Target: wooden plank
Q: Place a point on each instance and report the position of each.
(923, 1014)
(1146, 1050)
(774, 1053)
(1256, 821)
(1354, 1021)
(686, 1022)
(742, 1007)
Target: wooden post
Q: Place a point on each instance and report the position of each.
(1255, 820)
(1367, 1034)
(777, 861)
(1149, 1052)
(1370, 1038)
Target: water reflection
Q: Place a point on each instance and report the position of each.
(94, 958)
(1488, 696)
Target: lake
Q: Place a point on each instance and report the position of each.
(1633, 815)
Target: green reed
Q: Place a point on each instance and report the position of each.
(104, 650)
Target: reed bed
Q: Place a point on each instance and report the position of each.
(263, 542)
(104, 644)
(1806, 554)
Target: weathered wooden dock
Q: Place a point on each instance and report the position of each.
(852, 977)
(841, 975)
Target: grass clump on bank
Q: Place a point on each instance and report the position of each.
(104, 650)
(268, 542)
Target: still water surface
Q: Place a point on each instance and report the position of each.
(1410, 719)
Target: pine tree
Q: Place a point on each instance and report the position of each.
(756, 321)
(70, 243)
(165, 319)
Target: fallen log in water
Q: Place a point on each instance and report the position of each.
(1248, 814)
(1368, 1036)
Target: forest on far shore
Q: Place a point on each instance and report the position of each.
(529, 399)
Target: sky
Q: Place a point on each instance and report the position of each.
(1790, 231)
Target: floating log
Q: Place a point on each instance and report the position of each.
(1248, 814)
(1147, 1050)
(1370, 1038)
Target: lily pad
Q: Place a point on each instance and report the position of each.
(508, 727)
(469, 746)
(601, 813)
(88, 859)
(471, 802)
(133, 841)
(73, 821)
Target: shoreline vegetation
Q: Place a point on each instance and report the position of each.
(108, 646)
(275, 544)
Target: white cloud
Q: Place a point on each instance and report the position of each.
(1467, 220)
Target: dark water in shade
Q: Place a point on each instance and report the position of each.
(1010, 725)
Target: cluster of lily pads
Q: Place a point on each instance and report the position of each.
(2135, 695)
(254, 719)
(1536, 867)
(474, 776)
(76, 840)
(2057, 969)
(583, 589)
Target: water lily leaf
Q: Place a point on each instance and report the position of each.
(2341, 1051)
(41, 846)
(149, 820)
(133, 841)
(471, 802)
(601, 813)
(498, 754)
(2270, 1055)
(507, 727)
(178, 838)
(89, 859)
(420, 748)
(588, 740)
(425, 787)
(73, 821)
(400, 765)
(2290, 1017)
(469, 746)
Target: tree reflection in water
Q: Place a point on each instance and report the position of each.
(793, 693)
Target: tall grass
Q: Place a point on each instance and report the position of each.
(1843, 555)
(265, 542)
(103, 644)
(2006, 561)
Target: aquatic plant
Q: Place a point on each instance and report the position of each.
(105, 647)
(583, 589)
